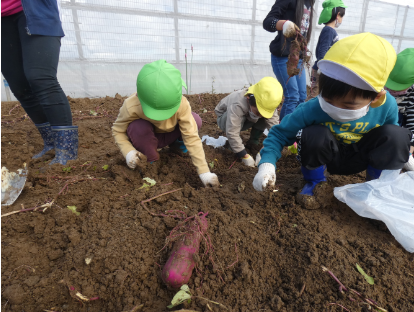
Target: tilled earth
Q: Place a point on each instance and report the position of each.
(268, 250)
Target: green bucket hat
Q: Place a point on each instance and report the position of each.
(159, 89)
(328, 6)
(402, 76)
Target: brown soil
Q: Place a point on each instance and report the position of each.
(40, 249)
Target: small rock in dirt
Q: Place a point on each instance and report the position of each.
(55, 254)
(14, 293)
(32, 280)
(277, 302)
(120, 276)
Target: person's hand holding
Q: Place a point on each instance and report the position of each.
(248, 160)
(133, 158)
(209, 179)
(265, 177)
(289, 29)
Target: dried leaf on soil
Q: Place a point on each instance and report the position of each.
(182, 295)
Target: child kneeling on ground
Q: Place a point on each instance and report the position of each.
(400, 84)
(351, 126)
(252, 108)
(158, 115)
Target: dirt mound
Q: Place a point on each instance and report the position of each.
(266, 246)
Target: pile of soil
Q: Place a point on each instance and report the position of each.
(267, 247)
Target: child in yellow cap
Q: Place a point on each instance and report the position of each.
(400, 84)
(252, 108)
(351, 126)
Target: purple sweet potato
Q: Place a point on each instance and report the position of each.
(179, 267)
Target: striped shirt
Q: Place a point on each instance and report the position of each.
(406, 107)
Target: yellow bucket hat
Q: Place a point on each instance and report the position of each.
(363, 61)
(268, 94)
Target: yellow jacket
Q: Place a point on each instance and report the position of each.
(132, 110)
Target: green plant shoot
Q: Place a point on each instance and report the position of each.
(105, 167)
(67, 169)
(73, 209)
(368, 278)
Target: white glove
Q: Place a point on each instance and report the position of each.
(248, 161)
(266, 176)
(133, 158)
(258, 159)
(209, 179)
(289, 29)
(409, 165)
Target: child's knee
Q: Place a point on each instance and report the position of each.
(198, 120)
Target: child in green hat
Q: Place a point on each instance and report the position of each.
(158, 115)
(400, 84)
(332, 15)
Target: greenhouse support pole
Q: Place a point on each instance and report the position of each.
(402, 28)
(253, 33)
(363, 16)
(79, 46)
(177, 38)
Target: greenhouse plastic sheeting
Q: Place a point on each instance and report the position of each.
(108, 41)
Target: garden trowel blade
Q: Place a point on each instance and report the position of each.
(12, 184)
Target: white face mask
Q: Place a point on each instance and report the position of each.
(340, 114)
(337, 24)
(253, 116)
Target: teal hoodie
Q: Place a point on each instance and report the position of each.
(310, 113)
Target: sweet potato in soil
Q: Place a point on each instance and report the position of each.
(179, 267)
(122, 239)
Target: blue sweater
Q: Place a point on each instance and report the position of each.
(42, 18)
(310, 113)
(326, 40)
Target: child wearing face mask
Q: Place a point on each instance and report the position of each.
(253, 108)
(351, 126)
(400, 84)
(332, 15)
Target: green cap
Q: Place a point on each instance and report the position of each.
(159, 89)
(402, 76)
(328, 6)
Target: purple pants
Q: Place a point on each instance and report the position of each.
(145, 140)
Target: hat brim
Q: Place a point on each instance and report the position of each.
(264, 113)
(158, 114)
(395, 86)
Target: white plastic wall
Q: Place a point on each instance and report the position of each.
(108, 41)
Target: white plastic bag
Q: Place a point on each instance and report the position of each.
(221, 141)
(389, 199)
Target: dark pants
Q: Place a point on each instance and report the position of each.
(385, 147)
(142, 134)
(29, 64)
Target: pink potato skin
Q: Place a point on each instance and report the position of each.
(179, 267)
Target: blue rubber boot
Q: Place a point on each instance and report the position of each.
(181, 146)
(312, 177)
(66, 144)
(47, 136)
(372, 173)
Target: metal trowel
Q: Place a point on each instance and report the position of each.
(12, 184)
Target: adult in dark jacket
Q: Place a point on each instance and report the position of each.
(284, 17)
(31, 31)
